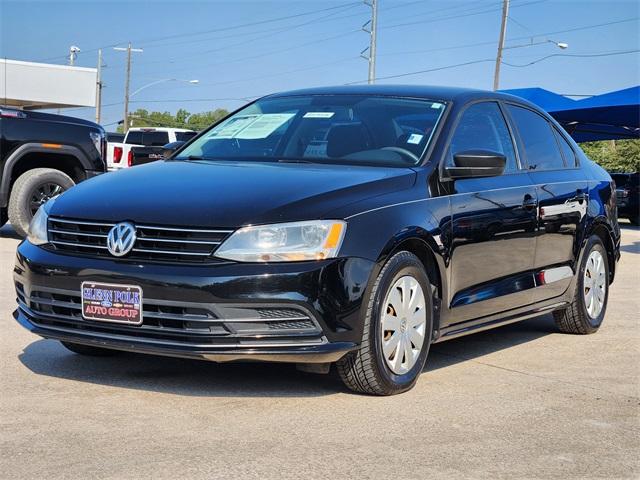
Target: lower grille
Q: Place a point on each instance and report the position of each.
(177, 322)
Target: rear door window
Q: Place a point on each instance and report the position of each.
(539, 142)
(567, 152)
(482, 127)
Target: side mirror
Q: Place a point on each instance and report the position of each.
(169, 148)
(477, 163)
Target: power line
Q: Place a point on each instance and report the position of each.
(244, 42)
(578, 55)
(461, 15)
(275, 52)
(222, 29)
(493, 42)
(485, 60)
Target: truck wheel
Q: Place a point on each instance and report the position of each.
(586, 312)
(32, 189)
(88, 350)
(397, 331)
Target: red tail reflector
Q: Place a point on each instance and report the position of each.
(117, 154)
(130, 158)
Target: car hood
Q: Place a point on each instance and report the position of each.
(226, 194)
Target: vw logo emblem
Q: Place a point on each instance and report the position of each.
(121, 238)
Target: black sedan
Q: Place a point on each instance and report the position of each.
(346, 225)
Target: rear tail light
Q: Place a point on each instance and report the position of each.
(117, 154)
(129, 158)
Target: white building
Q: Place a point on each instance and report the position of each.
(32, 85)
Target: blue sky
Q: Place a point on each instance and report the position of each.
(205, 40)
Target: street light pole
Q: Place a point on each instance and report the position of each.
(503, 31)
(126, 83)
(161, 81)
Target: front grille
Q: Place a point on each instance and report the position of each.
(154, 243)
(169, 321)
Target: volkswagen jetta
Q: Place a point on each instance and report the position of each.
(346, 225)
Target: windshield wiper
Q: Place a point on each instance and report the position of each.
(294, 160)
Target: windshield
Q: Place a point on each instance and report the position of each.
(349, 129)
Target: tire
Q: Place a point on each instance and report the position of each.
(367, 370)
(576, 318)
(27, 188)
(88, 350)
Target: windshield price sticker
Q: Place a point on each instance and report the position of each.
(415, 138)
(318, 115)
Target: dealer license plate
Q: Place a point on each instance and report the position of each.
(107, 302)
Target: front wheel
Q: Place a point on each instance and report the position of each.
(586, 312)
(397, 331)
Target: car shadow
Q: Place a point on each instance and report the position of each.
(476, 345)
(7, 231)
(207, 379)
(633, 247)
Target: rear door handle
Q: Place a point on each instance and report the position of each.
(581, 196)
(529, 202)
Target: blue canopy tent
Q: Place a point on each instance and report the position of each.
(610, 116)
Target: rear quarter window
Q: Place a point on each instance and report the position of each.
(567, 152)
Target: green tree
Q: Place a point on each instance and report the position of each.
(615, 155)
(182, 119)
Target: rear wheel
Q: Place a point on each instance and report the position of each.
(32, 189)
(397, 331)
(586, 312)
(88, 350)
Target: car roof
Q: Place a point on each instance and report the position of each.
(415, 91)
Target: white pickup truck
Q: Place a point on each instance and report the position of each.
(119, 154)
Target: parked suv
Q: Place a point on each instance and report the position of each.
(628, 195)
(42, 155)
(346, 225)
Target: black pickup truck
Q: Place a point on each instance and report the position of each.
(42, 155)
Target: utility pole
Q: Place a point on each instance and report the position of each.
(125, 122)
(503, 31)
(371, 27)
(99, 87)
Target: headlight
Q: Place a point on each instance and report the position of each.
(96, 138)
(285, 242)
(38, 226)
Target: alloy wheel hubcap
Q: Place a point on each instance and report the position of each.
(404, 320)
(43, 194)
(594, 284)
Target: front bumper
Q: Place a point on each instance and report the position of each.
(220, 312)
